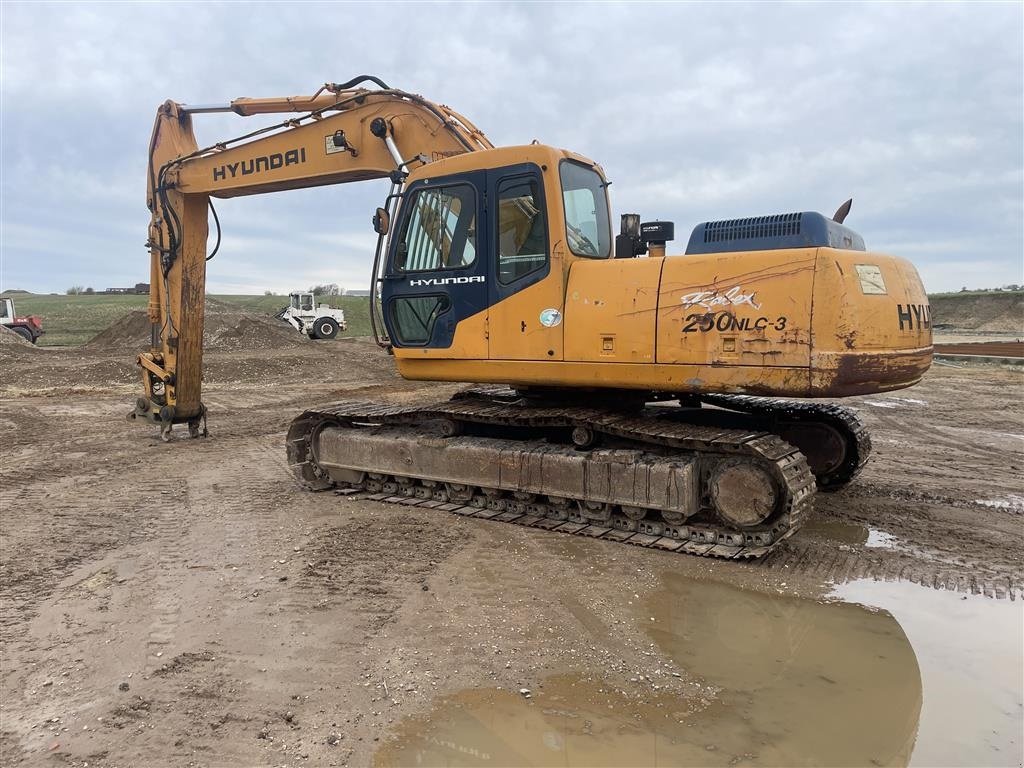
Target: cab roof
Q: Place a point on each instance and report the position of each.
(499, 157)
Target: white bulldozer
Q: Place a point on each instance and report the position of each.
(316, 321)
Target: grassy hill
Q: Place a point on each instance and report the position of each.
(73, 320)
(981, 311)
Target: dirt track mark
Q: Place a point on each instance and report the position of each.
(837, 566)
(914, 425)
(375, 563)
(163, 577)
(76, 526)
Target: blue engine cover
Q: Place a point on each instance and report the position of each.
(783, 230)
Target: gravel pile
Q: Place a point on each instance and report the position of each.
(225, 328)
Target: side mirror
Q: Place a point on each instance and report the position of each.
(381, 222)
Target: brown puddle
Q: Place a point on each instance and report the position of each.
(787, 681)
(837, 530)
(571, 722)
(850, 534)
(970, 650)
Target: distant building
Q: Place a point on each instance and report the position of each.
(139, 288)
(356, 293)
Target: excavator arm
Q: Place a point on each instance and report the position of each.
(340, 134)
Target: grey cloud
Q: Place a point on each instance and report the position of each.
(696, 111)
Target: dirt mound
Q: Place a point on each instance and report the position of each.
(225, 328)
(130, 330)
(238, 331)
(989, 312)
(13, 343)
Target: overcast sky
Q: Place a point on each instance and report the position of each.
(696, 111)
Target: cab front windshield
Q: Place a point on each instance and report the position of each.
(586, 211)
(302, 301)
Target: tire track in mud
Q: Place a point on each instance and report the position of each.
(163, 577)
(373, 563)
(912, 423)
(221, 508)
(251, 518)
(517, 564)
(62, 524)
(367, 565)
(812, 559)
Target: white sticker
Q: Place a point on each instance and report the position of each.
(549, 318)
(330, 147)
(871, 280)
(710, 299)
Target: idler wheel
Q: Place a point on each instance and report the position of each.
(822, 444)
(743, 494)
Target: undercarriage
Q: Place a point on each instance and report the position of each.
(726, 476)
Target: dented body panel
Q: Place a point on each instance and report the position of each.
(872, 324)
(611, 311)
(737, 309)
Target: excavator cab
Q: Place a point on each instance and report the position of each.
(467, 240)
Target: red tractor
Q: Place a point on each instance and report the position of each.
(29, 328)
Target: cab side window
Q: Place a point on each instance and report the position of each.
(414, 317)
(522, 229)
(440, 230)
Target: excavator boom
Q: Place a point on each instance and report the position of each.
(345, 134)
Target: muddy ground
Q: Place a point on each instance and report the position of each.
(186, 604)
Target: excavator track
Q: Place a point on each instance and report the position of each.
(845, 437)
(656, 481)
(835, 441)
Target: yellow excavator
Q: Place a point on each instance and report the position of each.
(619, 392)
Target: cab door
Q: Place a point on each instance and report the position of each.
(434, 294)
(525, 293)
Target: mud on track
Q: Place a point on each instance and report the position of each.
(186, 604)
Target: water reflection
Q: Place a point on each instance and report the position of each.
(787, 682)
(969, 648)
(825, 683)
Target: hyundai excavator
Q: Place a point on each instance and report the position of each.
(616, 391)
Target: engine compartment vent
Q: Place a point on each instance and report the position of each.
(806, 229)
(757, 226)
